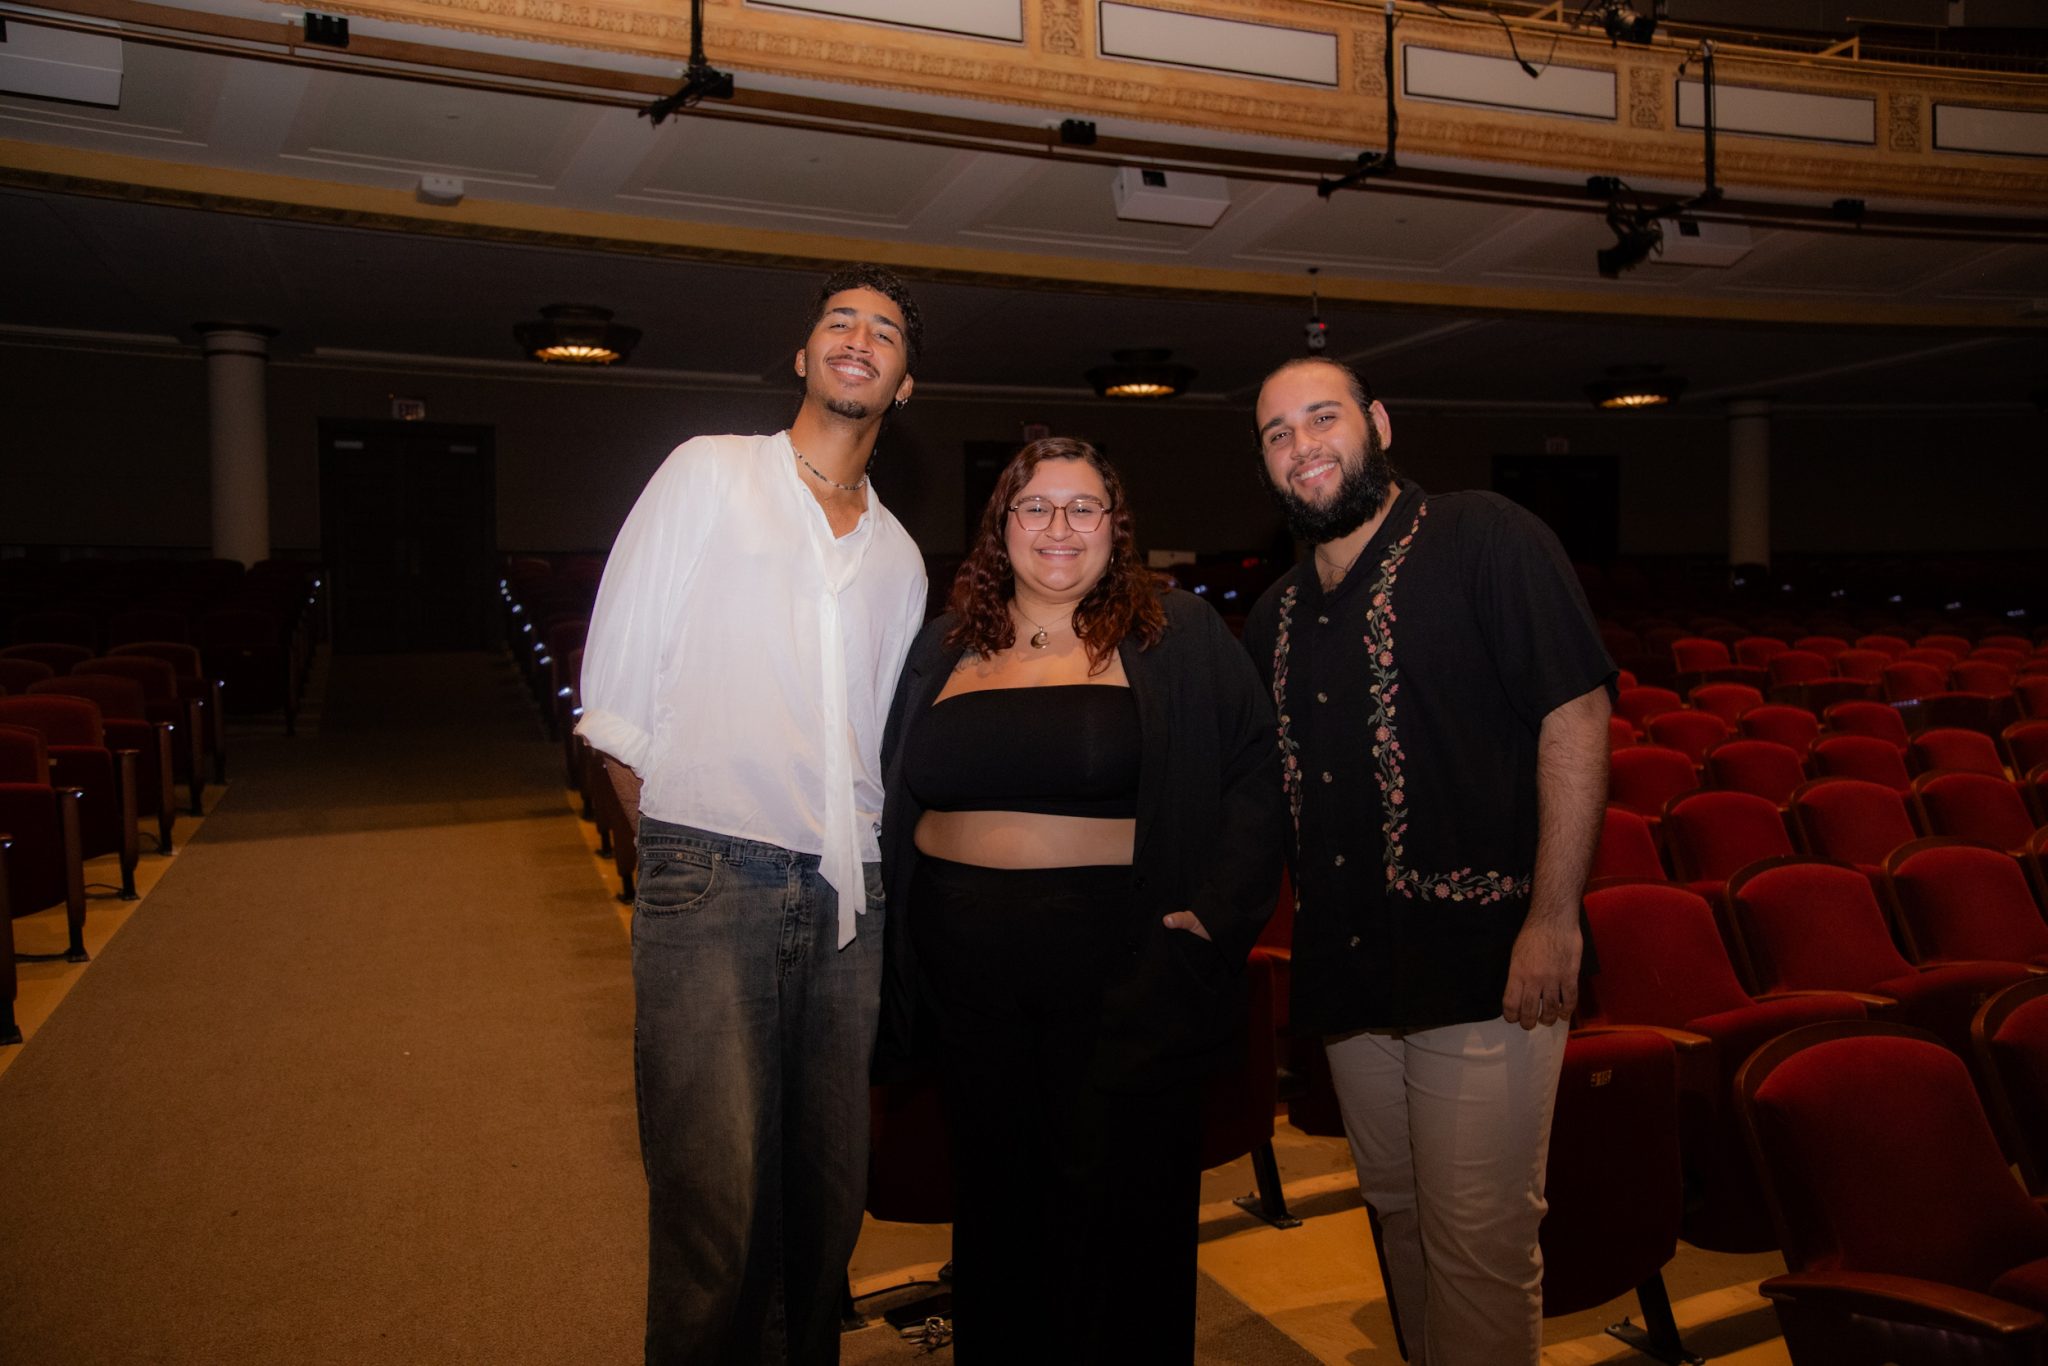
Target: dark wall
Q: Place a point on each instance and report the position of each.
(106, 449)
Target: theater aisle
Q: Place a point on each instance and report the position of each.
(354, 1085)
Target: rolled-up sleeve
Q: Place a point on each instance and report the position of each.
(632, 627)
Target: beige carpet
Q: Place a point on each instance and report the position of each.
(355, 1083)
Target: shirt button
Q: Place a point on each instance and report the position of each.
(1340, 860)
(1322, 697)
(1354, 941)
(1326, 776)
(1322, 621)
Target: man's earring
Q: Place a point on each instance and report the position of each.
(902, 402)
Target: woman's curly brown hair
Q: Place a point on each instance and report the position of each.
(1123, 604)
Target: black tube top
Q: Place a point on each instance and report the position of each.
(1066, 750)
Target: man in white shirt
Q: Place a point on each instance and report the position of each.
(754, 615)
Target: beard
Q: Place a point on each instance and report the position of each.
(852, 409)
(1361, 492)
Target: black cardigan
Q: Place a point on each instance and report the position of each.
(1211, 828)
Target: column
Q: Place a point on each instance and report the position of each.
(238, 428)
(1749, 481)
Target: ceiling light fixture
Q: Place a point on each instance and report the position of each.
(1149, 372)
(577, 334)
(1629, 387)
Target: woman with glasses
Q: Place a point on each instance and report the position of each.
(1081, 841)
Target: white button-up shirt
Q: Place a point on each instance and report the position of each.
(741, 658)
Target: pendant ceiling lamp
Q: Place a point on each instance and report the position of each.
(1635, 386)
(1147, 373)
(577, 334)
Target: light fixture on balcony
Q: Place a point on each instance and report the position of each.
(1629, 387)
(1149, 372)
(577, 334)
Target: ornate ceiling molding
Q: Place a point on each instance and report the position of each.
(1056, 69)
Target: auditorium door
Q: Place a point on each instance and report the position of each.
(1578, 495)
(408, 530)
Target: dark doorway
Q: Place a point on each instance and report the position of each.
(1579, 496)
(408, 529)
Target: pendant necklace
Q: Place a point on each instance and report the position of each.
(824, 478)
(1038, 640)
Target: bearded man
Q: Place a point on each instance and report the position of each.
(1443, 697)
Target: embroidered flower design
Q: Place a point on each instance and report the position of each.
(1461, 885)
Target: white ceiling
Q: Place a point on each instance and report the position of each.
(108, 265)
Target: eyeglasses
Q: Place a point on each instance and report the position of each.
(1035, 514)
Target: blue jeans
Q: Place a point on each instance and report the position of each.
(752, 1037)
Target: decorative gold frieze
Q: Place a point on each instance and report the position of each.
(1905, 123)
(1646, 97)
(1060, 27)
(1368, 63)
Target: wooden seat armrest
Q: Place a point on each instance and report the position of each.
(1683, 1039)
(1864, 998)
(1906, 1299)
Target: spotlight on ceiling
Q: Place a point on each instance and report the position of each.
(577, 334)
(1149, 372)
(1627, 22)
(1629, 387)
(1636, 235)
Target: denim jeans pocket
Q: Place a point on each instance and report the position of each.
(674, 880)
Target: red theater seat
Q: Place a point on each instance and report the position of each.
(17, 674)
(1691, 733)
(1874, 719)
(195, 684)
(1968, 751)
(1645, 779)
(56, 654)
(1807, 926)
(75, 740)
(1758, 651)
(1794, 727)
(1962, 902)
(1762, 768)
(1614, 1183)
(164, 704)
(1797, 666)
(1663, 966)
(47, 865)
(1713, 835)
(1627, 848)
(1845, 820)
(2027, 743)
(1638, 705)
(1974, 806)
(1863, 757)
(1864, 666)
(124, 717)
(2010, 1037)
(1726, 700)
(1907, 1238)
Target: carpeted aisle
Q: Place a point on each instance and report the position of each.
(355, 1084)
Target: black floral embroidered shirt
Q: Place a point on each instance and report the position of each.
(1410, 700)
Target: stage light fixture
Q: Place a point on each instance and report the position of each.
(1636, 235)
(1631, 23)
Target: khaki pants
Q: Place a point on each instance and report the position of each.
(1449, 1129)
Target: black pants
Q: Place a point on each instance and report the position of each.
(1075, 1206)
